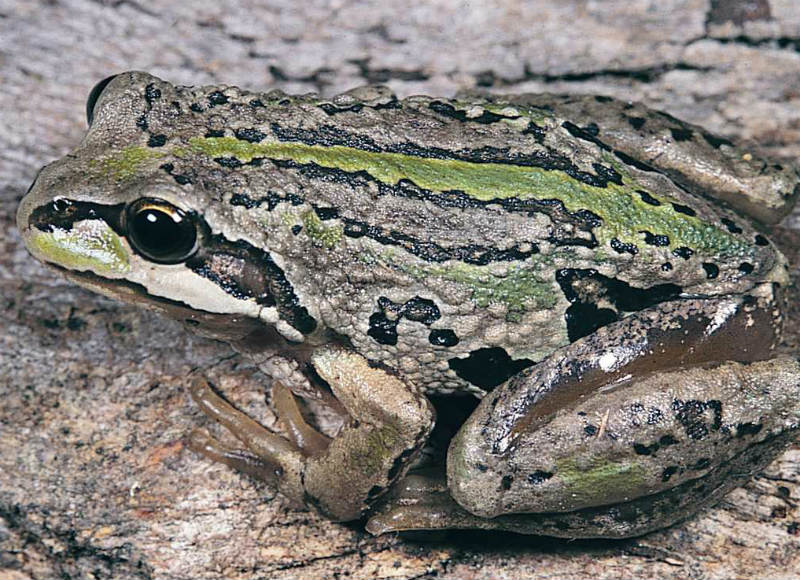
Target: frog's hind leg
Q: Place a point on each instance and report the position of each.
(629, 429)
(424, 502)
(390, 420)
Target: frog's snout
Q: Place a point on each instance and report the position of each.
(68, 234)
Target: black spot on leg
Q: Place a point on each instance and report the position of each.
(642, 449)
(383, 324)
(693, 416)
(761, 240)
(702, 463)
(669, 472)
(715, 141)
(584, 318)
(488, 367)
(506, 482)
(744, 429)
(746, 268)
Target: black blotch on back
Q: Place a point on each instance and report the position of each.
(539, 476)
(712, 270)
(622, 247)
(647, 198)
(216, 98)
(250, 135)
(443, 337)
(636, 122)
(151, 93)
(683, 252)
(681, 133)
(715, 141)
(658, 240)
(761, 240)
(230, 162)
(382, 329)
(383, 324)
(156, 140)
(485, 118)
(731, 225)
(584, 289)
(684, 209)
(488, 367)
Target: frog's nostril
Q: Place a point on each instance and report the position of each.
(94, 95)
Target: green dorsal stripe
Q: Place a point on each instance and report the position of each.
(623, 212)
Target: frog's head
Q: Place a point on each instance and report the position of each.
(130, 213)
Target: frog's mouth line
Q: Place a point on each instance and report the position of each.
(223, 326)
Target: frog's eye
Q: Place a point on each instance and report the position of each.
(94, 94)
(160, 232)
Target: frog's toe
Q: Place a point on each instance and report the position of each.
(267, 456)
(239, 459)
(310, 441)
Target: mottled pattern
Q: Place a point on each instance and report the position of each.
(483, 208)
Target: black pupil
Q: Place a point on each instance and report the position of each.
(162, 236)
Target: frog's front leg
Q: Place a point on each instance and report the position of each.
(630, 429)
(390, 420)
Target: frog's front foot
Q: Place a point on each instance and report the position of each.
(340, 477)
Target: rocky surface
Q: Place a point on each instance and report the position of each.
(94, 479)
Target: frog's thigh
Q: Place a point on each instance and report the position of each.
(604, 420)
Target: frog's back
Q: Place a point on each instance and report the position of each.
(456, 240)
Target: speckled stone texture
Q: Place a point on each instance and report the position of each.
(94, 479)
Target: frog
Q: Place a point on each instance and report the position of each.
(594, 275)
